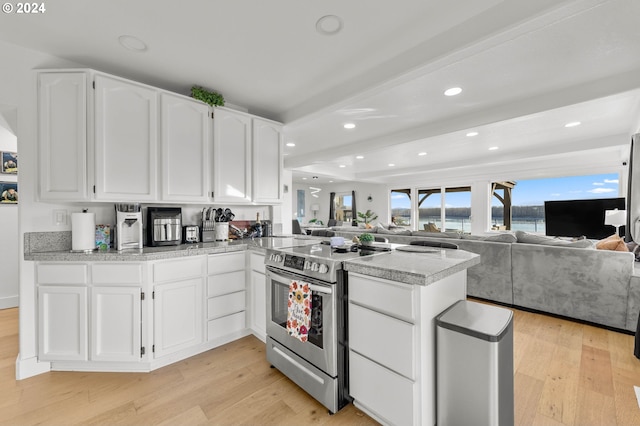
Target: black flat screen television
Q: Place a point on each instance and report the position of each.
(574, 218)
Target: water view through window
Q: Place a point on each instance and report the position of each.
(526, 198)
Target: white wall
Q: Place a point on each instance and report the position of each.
(378, 205)
(18, 88)
(9, 242)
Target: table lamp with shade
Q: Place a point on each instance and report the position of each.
(315, 208)
(615, 218)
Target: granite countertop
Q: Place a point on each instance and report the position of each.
(168, 252)
(414, 268)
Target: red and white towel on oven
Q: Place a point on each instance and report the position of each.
(299, 310)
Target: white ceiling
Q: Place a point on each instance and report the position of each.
(526, 69)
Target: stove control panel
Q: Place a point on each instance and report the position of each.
(298, 263)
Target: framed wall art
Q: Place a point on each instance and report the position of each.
(9, 164)
(8, 192)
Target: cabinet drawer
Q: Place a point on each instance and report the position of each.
(226, 262)
(257, 262)
(61, 273)
(387, 394)
(220, 327)
(385, 340)
(178, 269)
(225, 283)
(225, 305)
(117, 273)
(382, 295)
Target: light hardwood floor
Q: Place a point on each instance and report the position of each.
(565, 374)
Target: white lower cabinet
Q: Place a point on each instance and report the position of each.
(62, 312)
(258, 295)
(116, 323)
(226, 295)
(84, 321)
(177, 316)
(392, 345)
(178, 293)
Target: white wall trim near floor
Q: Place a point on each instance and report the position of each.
(9, 302)
(30, 367)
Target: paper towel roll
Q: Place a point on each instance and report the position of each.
(83, 231)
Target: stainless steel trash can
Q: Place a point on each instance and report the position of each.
(474, 364)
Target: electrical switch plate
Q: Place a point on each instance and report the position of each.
(60, 217)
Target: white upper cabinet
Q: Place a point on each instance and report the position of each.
(103, 138)
(126, 140)
(185, 138)
(267, 161)
(62, 108)
(231, 157)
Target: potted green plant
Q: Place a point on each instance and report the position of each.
(366, 217)
(316, 222)
(366, 239)
(207, 96)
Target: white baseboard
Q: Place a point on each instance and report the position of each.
(9, 302)
(30, 367)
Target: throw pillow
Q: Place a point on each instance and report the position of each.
(502, 238)
(435, 234)
(524, 237)
(614, 242)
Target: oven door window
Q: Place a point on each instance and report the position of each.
(279, 310)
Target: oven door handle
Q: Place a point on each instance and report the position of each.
(316, 288)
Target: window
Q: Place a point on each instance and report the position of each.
(430, 209)
(401, 207)
(343, 207)
(528, 196)
(457, 210)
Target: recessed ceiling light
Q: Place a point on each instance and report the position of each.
(493, 148)
(342, 166)
(471, 134)
(359, 157)
(391, 165)
(330, 181)
(291, 144)
(132, 43)
(572, 124)
(422, 154)
(349, 126)
(329, 25)
(453, 91)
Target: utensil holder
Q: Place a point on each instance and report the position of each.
(222, 231)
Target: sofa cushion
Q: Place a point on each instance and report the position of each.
(525, 237)
(500, 238)
(395, 231)
(614, 242)
(435, 234)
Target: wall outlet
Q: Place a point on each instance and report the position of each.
(60, 217)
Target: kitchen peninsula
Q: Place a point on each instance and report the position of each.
(110, 311)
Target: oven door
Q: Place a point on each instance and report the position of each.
(320, 348)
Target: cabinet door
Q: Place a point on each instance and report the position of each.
(178, 318)
(258, 304)
(185, 149)
(126, 140)
(115, 324)
(62, 121)
(231, 157)
(267, 161)
(62, 313)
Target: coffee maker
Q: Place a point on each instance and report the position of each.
(128, 226)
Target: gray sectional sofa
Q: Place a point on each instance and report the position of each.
(571, 279)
